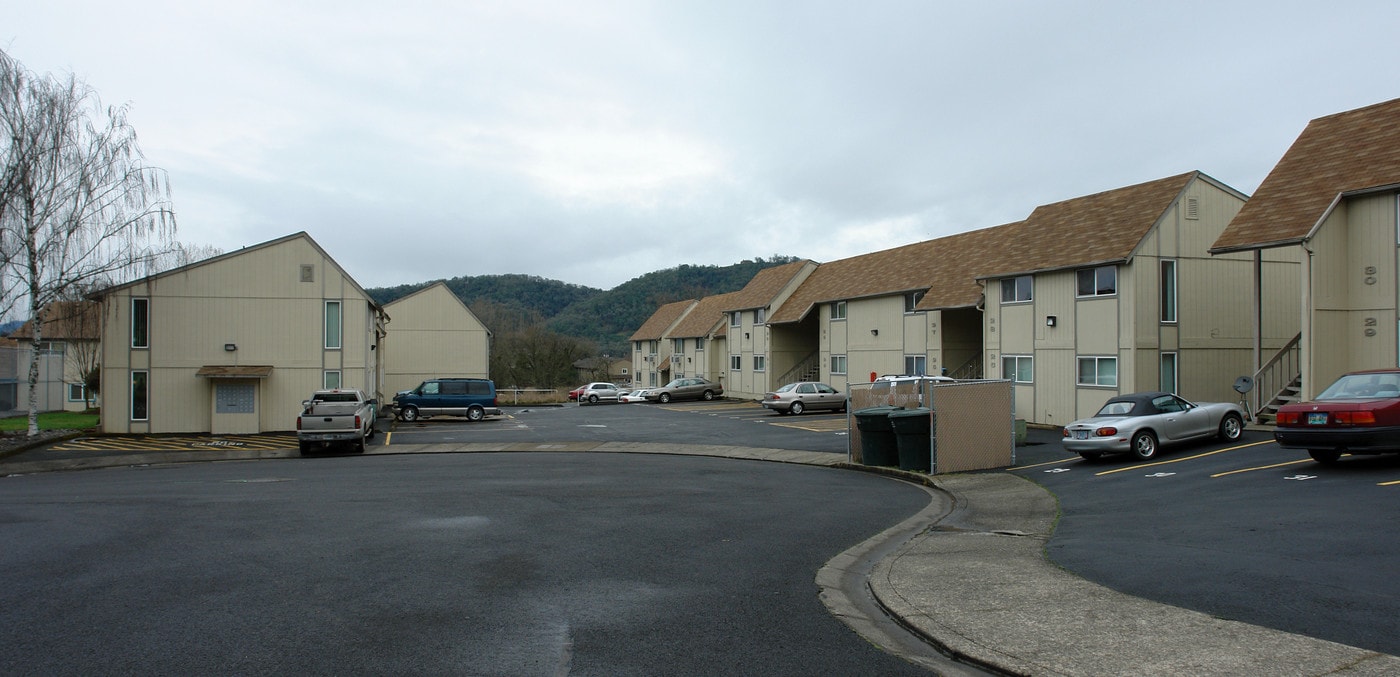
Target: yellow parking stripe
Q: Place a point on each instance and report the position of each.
(1062, 461)
(1179, 460)
(257, 442)
(1262, 467)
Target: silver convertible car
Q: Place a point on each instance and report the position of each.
(1141, 422)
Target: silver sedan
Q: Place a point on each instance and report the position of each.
(795, 398)
(1142, 422)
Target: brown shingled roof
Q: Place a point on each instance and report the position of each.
(891, 271)
(1337, 154)
(655, 327)
(704, 318)
(765, 286)
(66, 321)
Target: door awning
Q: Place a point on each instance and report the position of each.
(225, 371)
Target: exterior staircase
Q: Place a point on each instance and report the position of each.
(808, 368)
(1278, 382)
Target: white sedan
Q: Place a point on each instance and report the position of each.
(1141, 422)
(634, 396)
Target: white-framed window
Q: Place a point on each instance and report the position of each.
(1098, 371)
(140, 323)
(652, 379)
(760, 362)
(332, 324)
(1101, 281)
(140, 394)
(736, 362)
(915, 365)
(636, 346)
(838, 310)
(331, 379)
(1169, 372)
(736, 318)
(700, 343)
(1016, 289)
(77, 392)
(653, 345)
(912, 299)
(1018, 368)
(760, 315)
(838, 364)
(678, 345)
(1168, 292)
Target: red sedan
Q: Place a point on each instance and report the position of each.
(1359, 414)
(575, 393)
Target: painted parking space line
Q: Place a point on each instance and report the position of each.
(1263, 467)
(1068, 459)
(816, 425)
(256, 442)
(1170, 461)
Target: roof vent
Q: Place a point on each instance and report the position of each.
(1193, 208)
(308, 272)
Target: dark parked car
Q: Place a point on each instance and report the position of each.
(1139, 423)
(795, 398)
(1358, 414)
(693, 388)
(473, 398)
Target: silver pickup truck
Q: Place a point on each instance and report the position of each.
(331, 417)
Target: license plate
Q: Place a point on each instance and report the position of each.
(1317, 418)
(1081, 434)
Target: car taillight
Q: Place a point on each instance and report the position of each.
(357, 421)
(1354, 417)
(1106, 432)
(298, 423)
(1287, 418)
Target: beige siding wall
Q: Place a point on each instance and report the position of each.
(1354, 283)
(254, 300)
(432, 335)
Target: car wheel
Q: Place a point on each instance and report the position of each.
(370, 435)
(359, 447)
(664, 398)
(796, 409)
(475, 413)
(707, 396)
(1231, 427)
(1144, 445)
(1091, 455)
(592, 399)
(409, 414)
(305, 448)
(1324, 456)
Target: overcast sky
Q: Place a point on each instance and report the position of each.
(593, 142)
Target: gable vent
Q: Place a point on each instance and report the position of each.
(308, 272)
(1193, 208)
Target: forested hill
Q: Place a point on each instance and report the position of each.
(515, 303)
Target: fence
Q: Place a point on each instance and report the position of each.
(972, 425)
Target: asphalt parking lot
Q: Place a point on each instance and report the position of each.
(1245, 531)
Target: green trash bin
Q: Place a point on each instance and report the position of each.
(877, 444)
(913, 438)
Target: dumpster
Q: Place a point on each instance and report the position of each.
(913, 439)
(877, 444)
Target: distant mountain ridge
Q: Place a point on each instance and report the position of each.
(509, 303)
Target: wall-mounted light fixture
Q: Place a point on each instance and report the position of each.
(746, 334)
(874, 332)
(230, 347)
(1049, 320)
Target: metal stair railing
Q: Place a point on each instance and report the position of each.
(807, 369)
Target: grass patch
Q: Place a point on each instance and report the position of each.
(52, 420)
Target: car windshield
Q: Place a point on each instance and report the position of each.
(1354, 386)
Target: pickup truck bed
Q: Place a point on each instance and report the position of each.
(333, 417)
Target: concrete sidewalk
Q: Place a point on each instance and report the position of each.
(974, 581)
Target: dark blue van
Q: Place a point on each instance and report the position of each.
(474, 398)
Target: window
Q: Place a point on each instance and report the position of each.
(1098, 371)
(1101, 281)
(1169, 291)
(1016, 289)
(1018, 368)
(678, 346)
(700, 343)
(912, 299)
(331, 380)
(332, 324)
(760, 315)
(915, 365)
(838, 364)
(139, 394)
(1168, 372)
(652, 346)
(760, 362)
(77, 392)
(636, 346)
(736, 362)
(140, 323)
(838, 310)
(734, 319)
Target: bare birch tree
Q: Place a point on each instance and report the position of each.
(79, 206)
